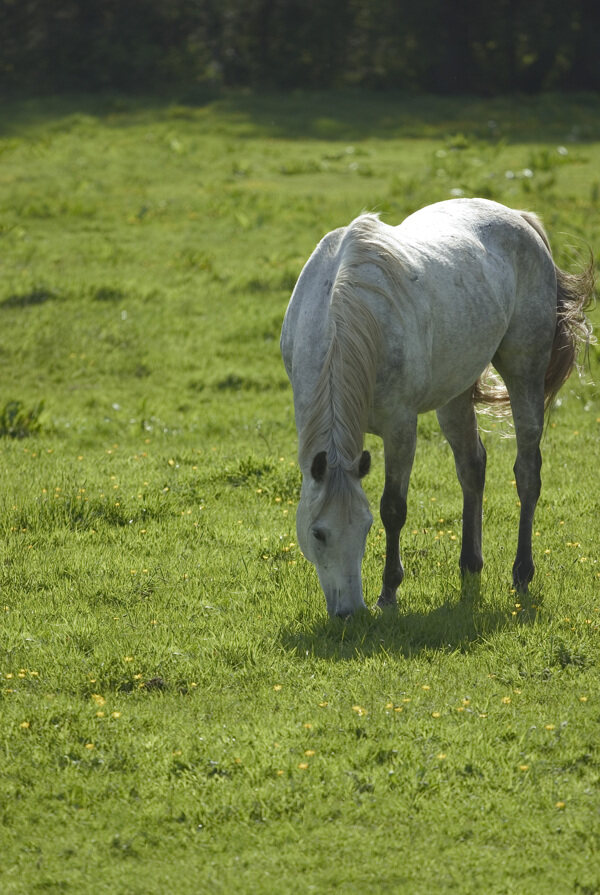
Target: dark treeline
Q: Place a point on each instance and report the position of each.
(440, 46)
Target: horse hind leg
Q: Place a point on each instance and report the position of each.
(526, 392)
(528, 417)
(459, 424)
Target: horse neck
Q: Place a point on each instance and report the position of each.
(343, 393)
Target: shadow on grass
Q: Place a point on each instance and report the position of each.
(28, 299)
(358, 114)
(458, 624)
(344, 115)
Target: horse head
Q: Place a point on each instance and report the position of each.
(332, 522)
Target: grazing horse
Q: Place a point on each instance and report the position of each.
(387, 322)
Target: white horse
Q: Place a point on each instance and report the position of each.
(388, 322)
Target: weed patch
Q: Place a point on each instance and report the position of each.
(16, 421)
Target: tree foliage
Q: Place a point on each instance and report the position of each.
(433, 45)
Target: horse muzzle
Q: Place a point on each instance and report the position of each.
(346, 601)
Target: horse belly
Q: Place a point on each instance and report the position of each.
(459, 355)
(456, 324)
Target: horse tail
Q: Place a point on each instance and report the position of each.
(491, 391)
(574, 295)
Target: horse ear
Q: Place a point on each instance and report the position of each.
(364, 464)
(319, 466)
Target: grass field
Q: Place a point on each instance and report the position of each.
(177, 712)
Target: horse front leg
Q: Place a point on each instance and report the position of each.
(399, 452)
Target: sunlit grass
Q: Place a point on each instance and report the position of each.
(178, 713)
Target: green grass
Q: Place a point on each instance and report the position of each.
(177, 712)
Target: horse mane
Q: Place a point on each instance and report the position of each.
(344, 390)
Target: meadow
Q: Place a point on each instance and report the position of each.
(177, 711)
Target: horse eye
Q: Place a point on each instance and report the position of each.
(319, 535)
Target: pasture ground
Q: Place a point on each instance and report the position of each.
(177, 713)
